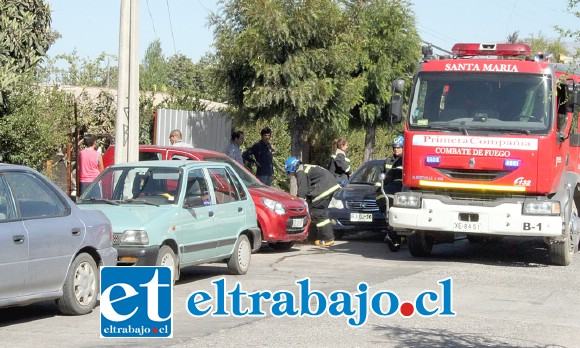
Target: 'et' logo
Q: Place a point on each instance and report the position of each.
(136, 302)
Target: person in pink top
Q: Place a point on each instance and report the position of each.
(89, 166)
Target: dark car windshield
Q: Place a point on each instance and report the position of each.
(247, 178)
(367, 174)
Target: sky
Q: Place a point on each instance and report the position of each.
(92, 26)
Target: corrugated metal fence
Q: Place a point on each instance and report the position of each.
(204, 129)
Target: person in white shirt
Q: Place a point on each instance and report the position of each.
(234, 148)
(175, 139)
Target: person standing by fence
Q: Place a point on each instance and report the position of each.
(262, 155)
(89, 166)
(234, 149)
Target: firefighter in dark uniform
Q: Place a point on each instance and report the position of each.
(393, 183)
(316, 185)
(339, 164)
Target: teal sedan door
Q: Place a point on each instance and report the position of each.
(197, 236)
(231, 207)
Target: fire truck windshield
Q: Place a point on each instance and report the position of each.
(482, 103)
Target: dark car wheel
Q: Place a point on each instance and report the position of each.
(281, 245)
(339, 235)
(81, 287)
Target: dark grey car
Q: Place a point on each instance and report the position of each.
(354, 208)
(49, 248)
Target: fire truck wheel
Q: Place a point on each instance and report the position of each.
(419, 244)
(562, 252)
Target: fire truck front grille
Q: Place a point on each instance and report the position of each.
(471, 174)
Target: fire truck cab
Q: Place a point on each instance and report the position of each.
(492, 149)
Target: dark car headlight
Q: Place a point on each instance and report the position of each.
(336, 203)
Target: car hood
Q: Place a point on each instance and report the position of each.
(356, 192)
(133, 216)
(272, 193)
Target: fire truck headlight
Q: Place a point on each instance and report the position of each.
(407, 200)
(541, 208)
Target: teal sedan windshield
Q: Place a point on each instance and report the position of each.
(137, 185)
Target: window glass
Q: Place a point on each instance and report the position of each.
(246, 176)
(34, 198)
(149, 156)
(7, 211)
(149, 185)
(197, 192)
(368, 174)
(223, 187)
(237, 184)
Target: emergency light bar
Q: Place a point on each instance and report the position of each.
(506, 50)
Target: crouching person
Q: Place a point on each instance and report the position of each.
(316, 185)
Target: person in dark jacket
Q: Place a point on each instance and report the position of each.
(393, 183)
(316, 185)
(262, 155)
(339, 164)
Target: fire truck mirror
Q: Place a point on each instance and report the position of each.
(396, 108)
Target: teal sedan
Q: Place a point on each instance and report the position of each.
(177, 214)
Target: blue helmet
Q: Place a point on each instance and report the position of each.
(399, 141)
(291, 164)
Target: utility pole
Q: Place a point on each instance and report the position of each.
(127, 125)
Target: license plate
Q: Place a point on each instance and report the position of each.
(467, 226)
(358, 217)
(297, 223)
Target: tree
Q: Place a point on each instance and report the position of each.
(153, 72)
(25, 36)
(99, 72)
(391, 49)
(293, 59)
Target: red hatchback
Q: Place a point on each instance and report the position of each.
(283, 218)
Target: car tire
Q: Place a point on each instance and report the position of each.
(239, 261)
(419, 244)
(166, 257)
(282, 245)
(81, 287)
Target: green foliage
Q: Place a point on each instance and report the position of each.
(25, 36)
(153, 75)
(391, 49)
(36, 126)
(287, 58)
(99, 72)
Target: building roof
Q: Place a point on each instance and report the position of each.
(93, 92)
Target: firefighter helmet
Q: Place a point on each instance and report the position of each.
(399, 141)
(291, 164)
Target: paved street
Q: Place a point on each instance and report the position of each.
(504, 295)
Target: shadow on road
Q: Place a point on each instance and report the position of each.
(510, 252)
(413, 337)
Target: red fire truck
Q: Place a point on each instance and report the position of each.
(492, 149)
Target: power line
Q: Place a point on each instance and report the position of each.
(152, 22)
(171, 26)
